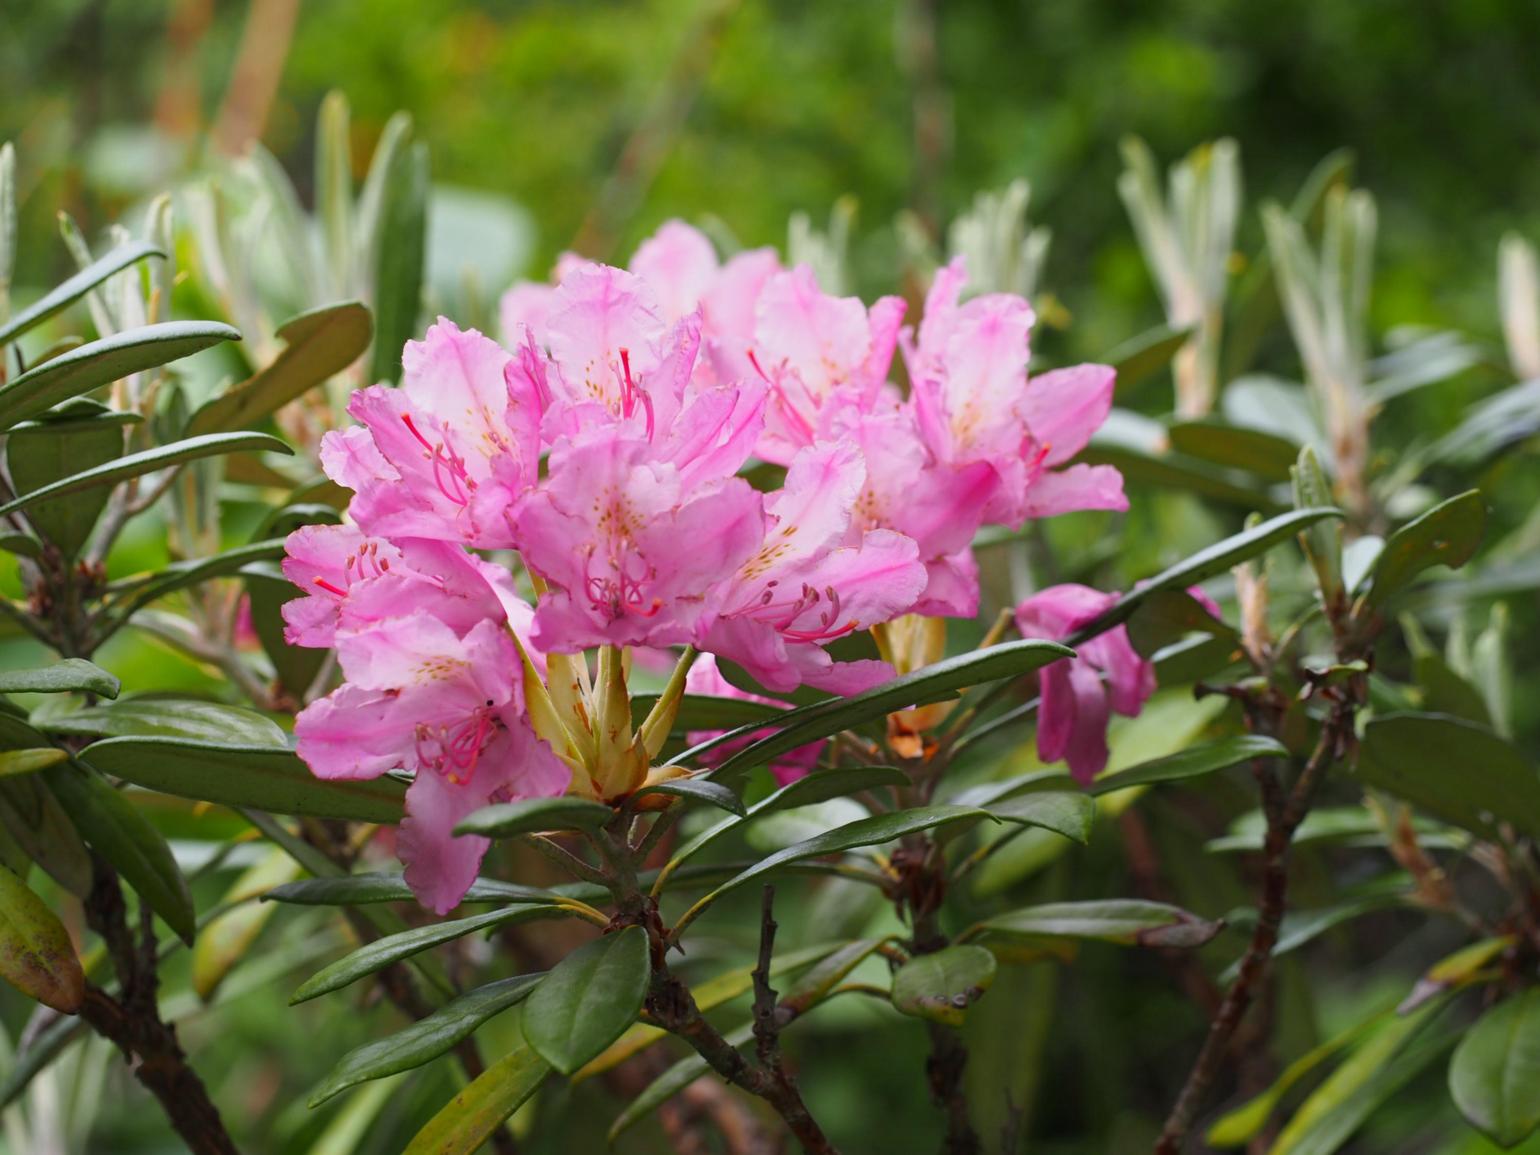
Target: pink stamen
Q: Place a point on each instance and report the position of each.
(329, 588)
(446, 464)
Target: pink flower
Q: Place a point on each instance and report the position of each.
(442, 456)
(633, 555)
(706, 678)
(1078, 696)
(420, 697)
(812, 581)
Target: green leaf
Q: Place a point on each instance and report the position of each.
(147, 461)
(669, 1084)
(363, 889)
(700, 790)
(70, 291)
(72, 675)
(819, 786)
(1257, 451)
(256, 776)
(36, 955)
(427, 1038)
(179, 575)
(171, 717)
(535, 816)
(1204, 564)
(1065, 812)
(21, 544)
(1158, 466)
(588, 999)
(1494, 1075)
(1193, 762)
(1452, 769)
(30, 761)
(1490, 426)
(1169, 616)
(703, 712)
(1448, 534)
(1145, 355)
(399, 258)
(319, 344)
(41, 453)
(474, 1115)
(872, 831)
(33, 817)
(930, 684)
(382, 952)
(943, 985)
(123, 836)
(1126, 921)
(99, 363)
(267, 592)
(826, 974)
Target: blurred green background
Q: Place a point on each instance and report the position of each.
(579, 123)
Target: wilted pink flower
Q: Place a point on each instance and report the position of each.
(1078, 696)
(705, 677)
(813, 581)
(421, 697)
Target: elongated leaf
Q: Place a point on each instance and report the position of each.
(99, 363)
(35, 820)
(36, 955)
(72, 675)
(703, 712)
(588, 999)
(1145, 355)
(669, 1084)
(1494, 1076)
(535, 815)
(943, 985)
(699, 790)
(474, 1115)
(180, 575)
(70, 291)
(379, 954)
(173, 718)
(425, 1039)
(872, 831)
(1167, 469)
(124, 837)
(30, 761)
(147, 461)
(399, 258)
(1452, 769)
(41, 453)
(364, 889)
(1204, 564)
(267, 591)
(826, 974)
(1448, 534)
(1126, 921)
(929, 684)
(1064, 812)
(1194, 762)
(1257, 451)
(319, 344)
(1170, 616)
(257, 776)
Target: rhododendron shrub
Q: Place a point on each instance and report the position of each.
(708, 635)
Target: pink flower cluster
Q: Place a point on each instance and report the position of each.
(606, 446)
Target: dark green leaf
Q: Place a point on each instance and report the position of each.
(41, 453)
(702, 712)
(1204, 564)
(425, 1039)
(1448, 534)
(21, 545)
(1064, 812)
(174, 718)
(124, 837)
(147, 461)
(99, 363)
(1145, 355)
(534, 816)
(588, 999)
(256, 776)
(72, 290)
(36, 955)
(319, 344)
(1494, 1075)
(826, 974)
(382, 952)
(943, 985)
(297, 667)
(179, 575)
(1169, 470)
(1452, 769)
(398, 269)
(931, 684)
(474, 1115)
(34, 818)
(1127, 921)
(700, 790)
(362, 889)
(1257, 451)
(1169, 616)
(72, 675)
(1193, 762)
(669, 1084)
